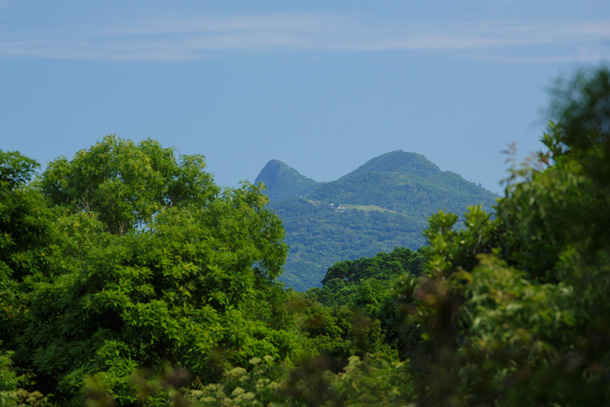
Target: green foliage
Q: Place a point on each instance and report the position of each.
(363, 382)
(25, 223)
(355, 312)
(265, 382)
(11, 393)
(514, 310)
(8, 377)
(15, 169)
(259, 385)
(338, 332)
(24, 398)
(376, 382)
(381, 267)
(319, 235)
(24, 218)
(581, 105)
(147, 262)
(127, 185)
(369, 286)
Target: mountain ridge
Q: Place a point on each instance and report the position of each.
(381, 205)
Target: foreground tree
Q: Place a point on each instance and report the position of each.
(149, 263)
(25, 234)
(514, 310)
(126, 185)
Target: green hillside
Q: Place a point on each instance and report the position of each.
(379, 206)
(283, 181)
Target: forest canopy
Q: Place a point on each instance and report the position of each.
(132, 258)
(127, 277)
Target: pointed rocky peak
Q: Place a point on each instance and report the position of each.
(272, 172)
(398, 161)
(283, 181)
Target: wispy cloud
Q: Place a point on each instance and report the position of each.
(195, 37)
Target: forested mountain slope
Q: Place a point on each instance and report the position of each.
(283, 181)
(379, 206)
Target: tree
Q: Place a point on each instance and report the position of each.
(514, 308)
(127, 185)
(151, 262)
(24, 218)
(24, 236)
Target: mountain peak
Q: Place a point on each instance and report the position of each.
(398, 161)
(283, 181)
(271, 171)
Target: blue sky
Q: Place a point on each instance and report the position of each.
(321, 85)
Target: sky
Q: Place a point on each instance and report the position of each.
(323, 86)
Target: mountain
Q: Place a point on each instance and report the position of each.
(397, 161)
(381, 205)
(283, 181)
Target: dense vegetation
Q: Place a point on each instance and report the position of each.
(383, 204)
(128, 278)
(321, 234)
(515, 309)
(136, 259)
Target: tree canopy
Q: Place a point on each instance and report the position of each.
(148, 261)
(514, 308)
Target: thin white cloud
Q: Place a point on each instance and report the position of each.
(198, 37)
(572, 58)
